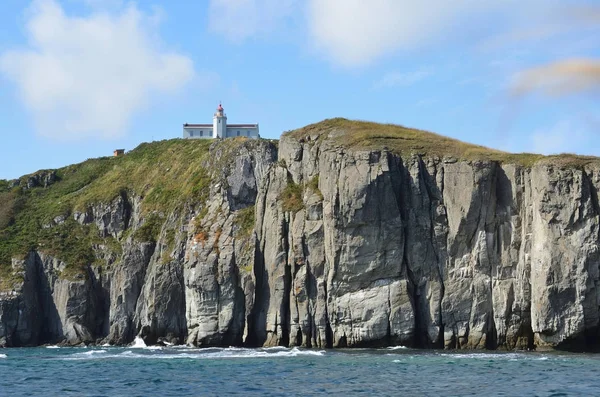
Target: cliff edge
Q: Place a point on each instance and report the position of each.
(344, 234)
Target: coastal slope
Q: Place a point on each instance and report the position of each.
(342, 234)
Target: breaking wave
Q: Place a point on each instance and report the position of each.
(138, 343)
(494, 356)
(164, 353)
(396, 347)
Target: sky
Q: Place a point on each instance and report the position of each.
(80, 78)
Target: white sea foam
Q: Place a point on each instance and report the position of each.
(3, 356)
(487, 356)
(138, 343)
(182, 347)
(237, 352)
(106, 345)
(92, 352)
(197, 354)
(52, 347)
(397, 347)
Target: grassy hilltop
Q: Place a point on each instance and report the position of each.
(169, 173)
(166, 174)
(407, 141)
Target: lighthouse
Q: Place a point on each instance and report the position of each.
(219, 128)
(220, 123)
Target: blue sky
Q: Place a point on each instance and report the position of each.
(79, 78)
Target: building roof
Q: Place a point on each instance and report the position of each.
(242, 125)
(188, 125)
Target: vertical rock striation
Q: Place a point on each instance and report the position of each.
(318, 244)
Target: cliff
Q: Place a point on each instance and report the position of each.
(345, 234)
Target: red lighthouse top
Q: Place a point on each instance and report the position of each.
(220, 107)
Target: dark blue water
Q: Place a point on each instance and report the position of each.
(111, 371)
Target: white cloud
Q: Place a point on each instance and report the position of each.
(559, 78)
(395, 79)
(239, 20)
(564, 137)
(549, 22)
(85, 77)
(356, 32)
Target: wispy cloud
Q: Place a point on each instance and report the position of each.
(357, 32)
(559, 78)
(85, 77)
(396, 78)
(239, 20)
(549, 21)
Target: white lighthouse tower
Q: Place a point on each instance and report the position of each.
(219, 128)
(220, 123)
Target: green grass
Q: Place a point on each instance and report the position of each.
(4, 185)
(9, 280)
(244, 220)
(170, 246)
(313, 184)
(247, 267)
(148, 232)
(166, 175)
(408, 141)
(291, 197)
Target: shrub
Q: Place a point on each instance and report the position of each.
(245, 220)
(149, 230)
(291, 197)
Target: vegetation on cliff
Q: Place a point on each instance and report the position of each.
(332, 244)
(165, 175)
(401, 140)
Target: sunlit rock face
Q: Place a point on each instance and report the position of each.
(319, 245)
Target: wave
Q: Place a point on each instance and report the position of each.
(240, 352)
(494, 356)
(138, 343)
(88, 353)
(53, 347)
(396, 347)
(197, 354)
(3, 356)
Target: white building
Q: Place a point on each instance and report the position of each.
(219, 128)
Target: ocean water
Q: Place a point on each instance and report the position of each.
(183, 371)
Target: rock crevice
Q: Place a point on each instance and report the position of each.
(379, 249)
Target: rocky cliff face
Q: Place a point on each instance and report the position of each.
(318, 244)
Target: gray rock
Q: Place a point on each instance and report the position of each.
(386, 250)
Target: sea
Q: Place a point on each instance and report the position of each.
(139, 370)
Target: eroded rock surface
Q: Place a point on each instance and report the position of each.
(382, 250)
